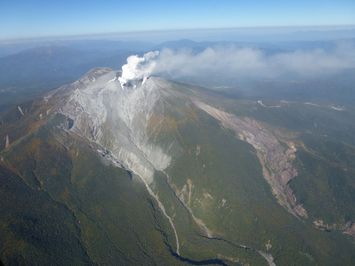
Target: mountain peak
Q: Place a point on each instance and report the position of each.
(115, 117)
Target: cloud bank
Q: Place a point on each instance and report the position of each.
(235, 63)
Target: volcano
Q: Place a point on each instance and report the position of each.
(154, 172)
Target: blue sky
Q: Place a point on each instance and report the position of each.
(35, 18)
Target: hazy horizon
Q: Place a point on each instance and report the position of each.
(257, 34)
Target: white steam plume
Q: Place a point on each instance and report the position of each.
(229, 62)
(138, 68)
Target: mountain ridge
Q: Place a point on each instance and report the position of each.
(208, 203)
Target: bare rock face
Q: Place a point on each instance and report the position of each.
(350, 229)
(7, 142)
(347, 228)
(116, 118)
(275, 159)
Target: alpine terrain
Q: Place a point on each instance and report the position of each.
(124, 169)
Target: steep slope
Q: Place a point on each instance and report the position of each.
(154, 172)
(58, 210)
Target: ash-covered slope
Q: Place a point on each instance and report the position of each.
(116, 118)
(150, 171)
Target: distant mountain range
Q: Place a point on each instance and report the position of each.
(28, 70)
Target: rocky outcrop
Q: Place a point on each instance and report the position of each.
(350, 229)
(347, 228)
